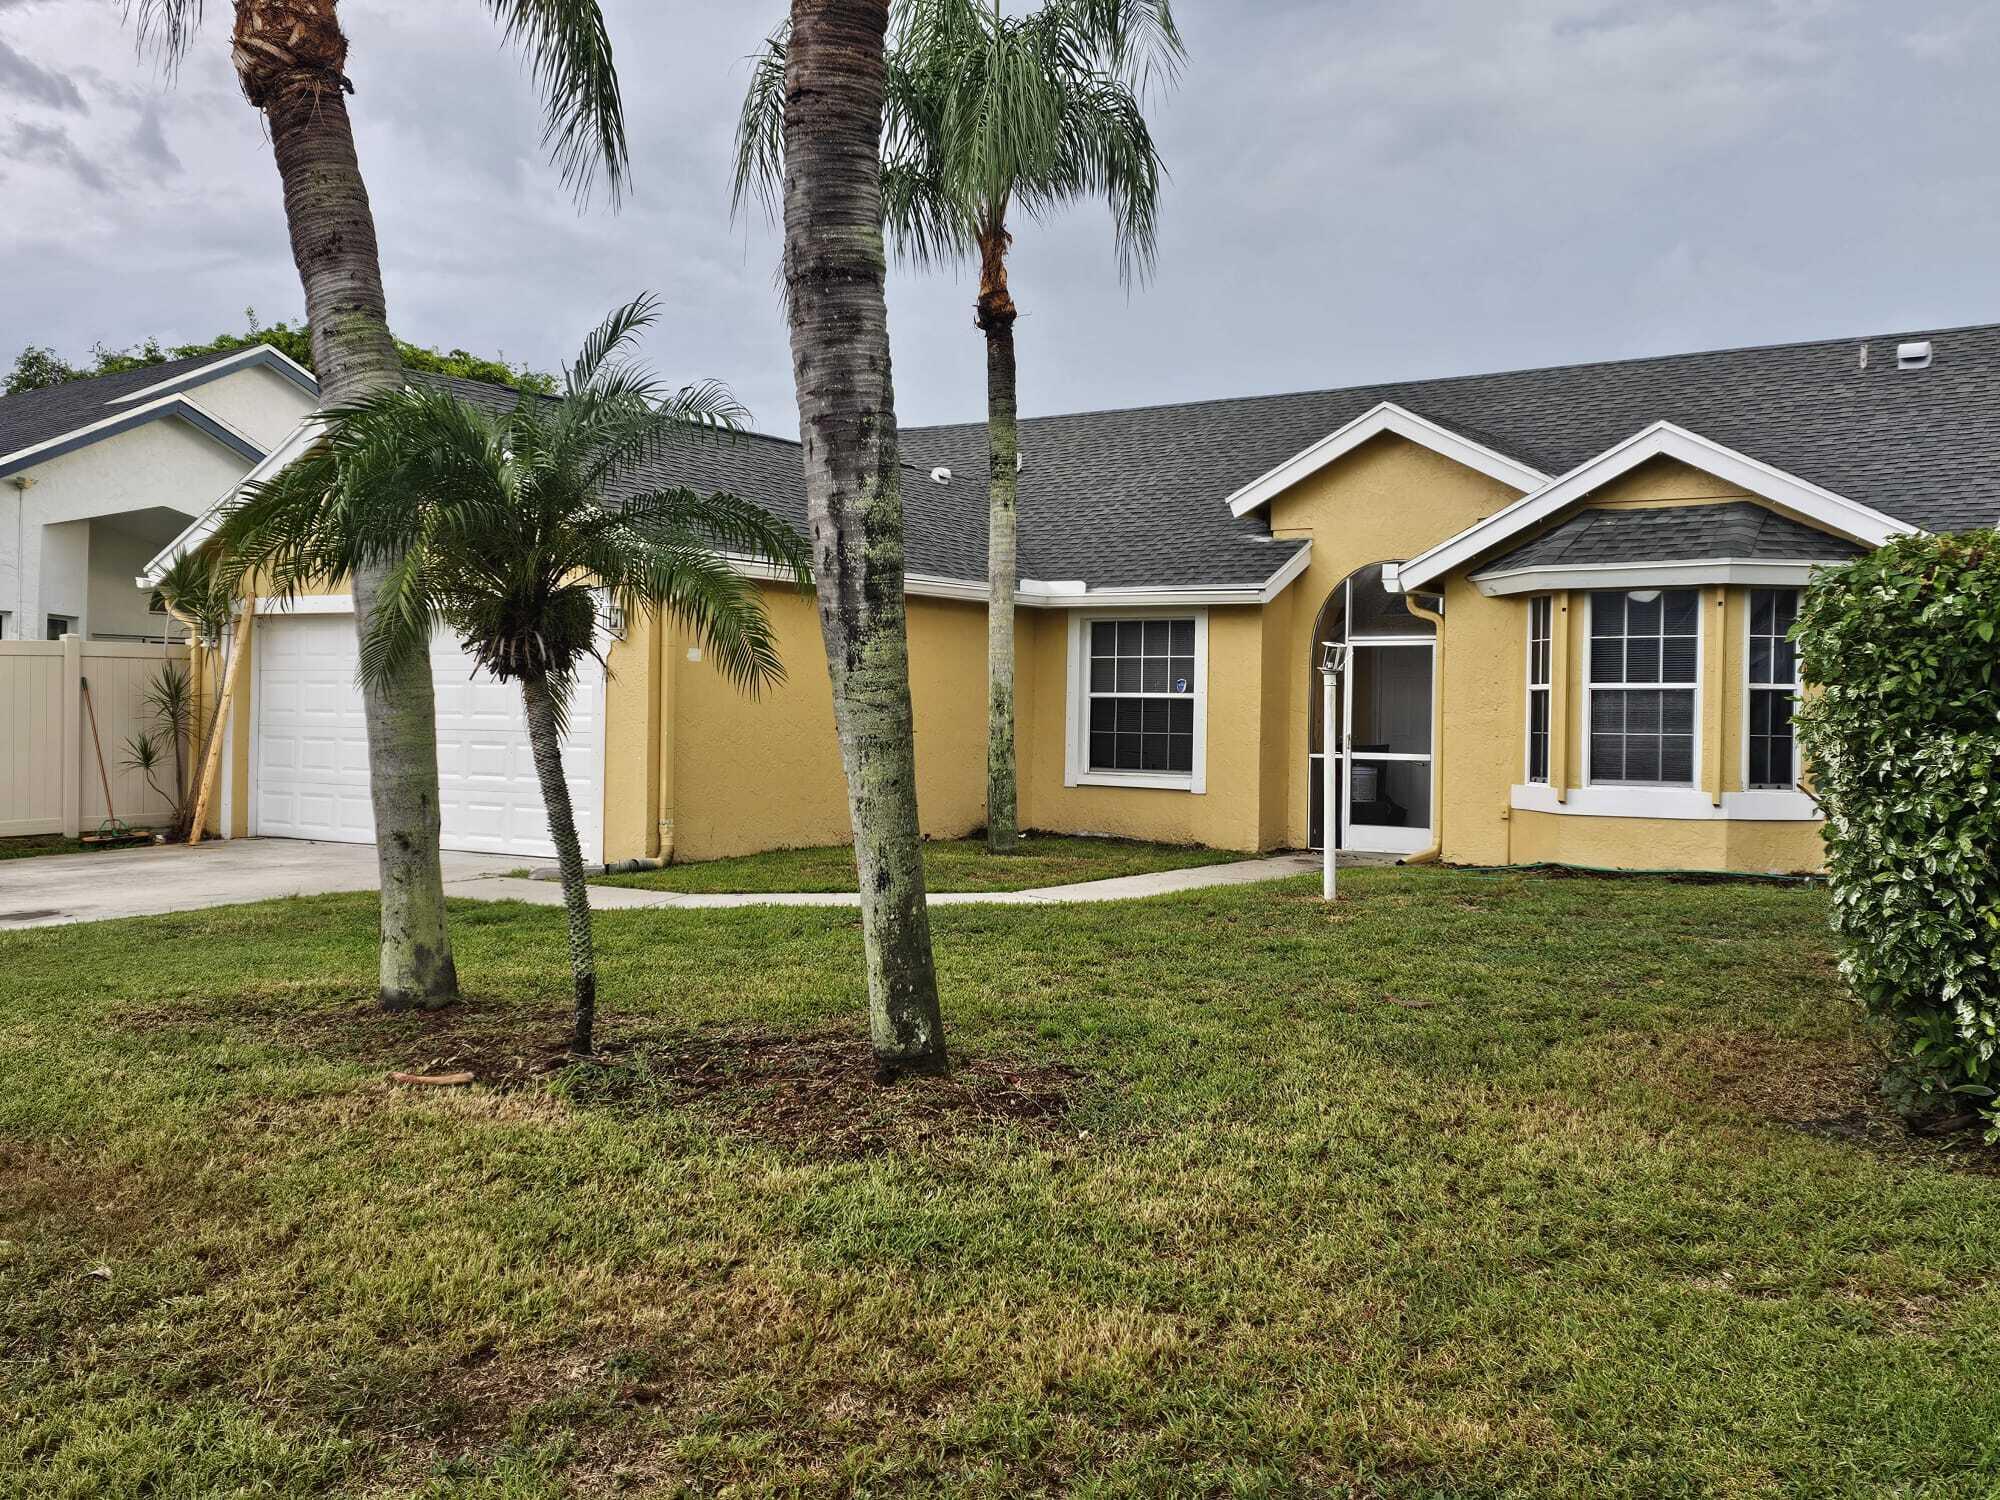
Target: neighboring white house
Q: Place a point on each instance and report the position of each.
(96, 476)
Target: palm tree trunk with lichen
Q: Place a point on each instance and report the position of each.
(995, 316)
(290, 57)
(834, 270)
(545, 741)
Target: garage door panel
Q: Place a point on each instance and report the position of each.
(312, 747)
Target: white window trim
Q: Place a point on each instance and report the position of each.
(1664, 790)
(1796, 687)
(1545, 688)
(1076, 751)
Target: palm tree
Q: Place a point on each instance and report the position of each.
(986, 114)
(291, 59)
(834, 265)
(499, 526)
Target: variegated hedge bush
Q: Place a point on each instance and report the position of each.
(1901, 730)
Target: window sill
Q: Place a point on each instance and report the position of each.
(1688, 803)
(1152, 780)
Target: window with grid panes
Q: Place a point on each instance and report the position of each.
(1644, 650)
(1141, 696)
(1774, 688)
(1540, 641)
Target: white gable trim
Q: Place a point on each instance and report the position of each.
(256, 355)
(1391, 418)
(124, 420)
(1661, 440)
(203, 526)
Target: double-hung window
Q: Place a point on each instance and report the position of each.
(1541, 611)
(1142, 696)
(1644, 655)
(1774, 689)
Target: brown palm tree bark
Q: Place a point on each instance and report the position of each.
(834, 269)
(545, 742)
(995, 315)
(290, 57)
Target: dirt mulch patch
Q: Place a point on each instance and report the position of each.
(813, 1090)
(1825, 1088)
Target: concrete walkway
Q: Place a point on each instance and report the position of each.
(53, 889)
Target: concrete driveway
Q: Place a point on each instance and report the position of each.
(55, 888)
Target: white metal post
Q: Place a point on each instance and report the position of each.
(1329, 814)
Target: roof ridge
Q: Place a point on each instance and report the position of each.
(1433, 380)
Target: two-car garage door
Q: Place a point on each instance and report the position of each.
(309, 756)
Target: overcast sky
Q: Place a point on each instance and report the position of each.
(1362, 190)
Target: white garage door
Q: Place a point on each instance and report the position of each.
(309, 761)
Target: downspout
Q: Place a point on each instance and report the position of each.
(1429, 855)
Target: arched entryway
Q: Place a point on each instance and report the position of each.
(1382, 719)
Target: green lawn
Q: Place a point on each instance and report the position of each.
(1473, 1185)
(949, 865)
(29, 845)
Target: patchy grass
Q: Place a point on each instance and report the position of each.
(29, 845)
(949, 865)
(1473, 1185)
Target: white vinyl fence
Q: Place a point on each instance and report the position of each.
(48, 770)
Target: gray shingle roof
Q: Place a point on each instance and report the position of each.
(36, 416)
(1676, 533)
(1135, 497)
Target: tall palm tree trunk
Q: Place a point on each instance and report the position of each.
(290, 56)
(996, 320)
(834, 268)
(545, 740)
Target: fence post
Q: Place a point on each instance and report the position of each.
(72, 736)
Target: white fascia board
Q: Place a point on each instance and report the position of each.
(1760, 571)
(203, 526)
(1384, 417)
(1037, 593)
(1661, 440)
(257, 354)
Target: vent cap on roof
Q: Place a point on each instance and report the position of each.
(1914, 356)
(940, 475)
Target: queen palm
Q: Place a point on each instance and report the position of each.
(985, 115)
(291, 59)
(505, 527)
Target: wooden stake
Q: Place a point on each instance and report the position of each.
(224, 699)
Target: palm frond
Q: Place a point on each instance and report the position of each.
(165, 28)
(760, 130)
(568, 47)
(617, 333)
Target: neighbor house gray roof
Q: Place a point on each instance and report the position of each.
(1136, 497)
(1736, 530)
(36, 416)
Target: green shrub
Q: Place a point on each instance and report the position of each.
(1901, 728)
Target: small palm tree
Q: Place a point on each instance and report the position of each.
(291, 60)
(985, 115)
(500, 527)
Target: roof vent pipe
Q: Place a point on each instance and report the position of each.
(1915, 356)
(940, 475)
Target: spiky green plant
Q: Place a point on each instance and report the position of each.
(500, 526)
(986, 116)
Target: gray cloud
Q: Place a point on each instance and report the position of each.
(51, 145)
(31, 83)
(1362, 190)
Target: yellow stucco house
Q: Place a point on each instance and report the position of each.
(1565, 594)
